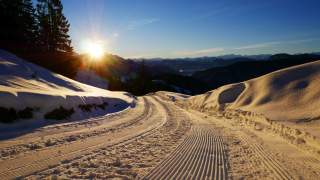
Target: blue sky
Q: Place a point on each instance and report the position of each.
(189, 28)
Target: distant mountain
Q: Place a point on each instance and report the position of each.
(241, 71)
(255, 57)
(187, 66)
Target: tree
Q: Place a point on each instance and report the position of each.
(54, 26)
(19, 30)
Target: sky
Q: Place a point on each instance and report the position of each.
(194, 28)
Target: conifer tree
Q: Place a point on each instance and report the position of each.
(19, 29)
(54, 26)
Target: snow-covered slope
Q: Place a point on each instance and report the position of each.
(290, 94)
(91, 78)
(23, 84)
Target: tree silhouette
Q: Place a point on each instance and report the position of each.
(19, 30)
(54, 26)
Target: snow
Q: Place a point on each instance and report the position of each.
(290, 94)
(91, 78)
(23, 84)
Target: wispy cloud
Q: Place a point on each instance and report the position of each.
(142, 22)
(257, 46)
(272, 43)
(200, 52)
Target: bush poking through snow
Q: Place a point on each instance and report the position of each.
(85, 107)
(59, 113)
(88, 107)
(26, 113)
(8, 115)
(103, 105)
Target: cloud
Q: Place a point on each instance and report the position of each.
(257, 46)
(142, 22)
(272, 43)
(199, 52)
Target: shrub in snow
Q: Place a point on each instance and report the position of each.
(7, 115)
(86, 107)
(59, 113)
(102, 105)
(26, 113)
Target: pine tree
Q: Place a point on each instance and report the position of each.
(61, 28)
(43, 10)
(30, 23)
(54, 26)
(18, 31)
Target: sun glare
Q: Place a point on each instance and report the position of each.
(95, 50)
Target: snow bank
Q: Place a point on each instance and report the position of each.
(291, 94)
(23, 84)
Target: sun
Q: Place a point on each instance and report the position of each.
(95, 50)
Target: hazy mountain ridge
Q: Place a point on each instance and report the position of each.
(241, 71)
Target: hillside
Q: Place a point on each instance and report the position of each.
(290, 96)
(24, 87)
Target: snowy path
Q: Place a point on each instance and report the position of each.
(200, 156)
(155, 140)
(29, 163)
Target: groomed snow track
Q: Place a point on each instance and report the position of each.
(202, 155)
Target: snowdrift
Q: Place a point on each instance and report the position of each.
(285, 102)
(25, 85)
(291, 94)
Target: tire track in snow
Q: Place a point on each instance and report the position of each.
(200, 156)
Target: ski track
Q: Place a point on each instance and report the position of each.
(49, 158)
(268, 160)
(97, 130)
(201, 155)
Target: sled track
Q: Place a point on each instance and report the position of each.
(52, 160)
(201, 155)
